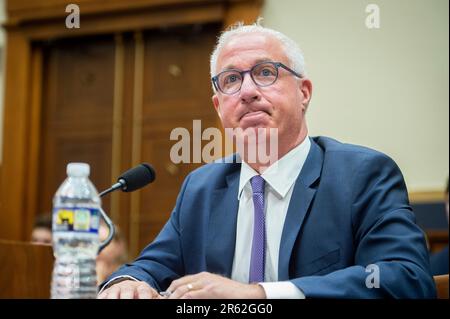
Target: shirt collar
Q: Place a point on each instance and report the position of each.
(282, 174)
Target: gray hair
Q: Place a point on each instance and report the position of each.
(291, 48)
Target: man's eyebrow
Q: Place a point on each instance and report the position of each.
(233, 67)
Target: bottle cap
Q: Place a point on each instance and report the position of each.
(78, 169)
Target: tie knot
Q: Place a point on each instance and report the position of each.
(257, 184)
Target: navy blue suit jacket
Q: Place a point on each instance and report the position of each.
(349, 209)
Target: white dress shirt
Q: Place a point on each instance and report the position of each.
(280, 178)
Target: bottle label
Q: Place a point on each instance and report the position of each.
(77, 219)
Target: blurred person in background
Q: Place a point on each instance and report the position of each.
(439, 260)
(42, 230)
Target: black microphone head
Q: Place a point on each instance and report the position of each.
(137, 177)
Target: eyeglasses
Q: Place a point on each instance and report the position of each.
(263, 74)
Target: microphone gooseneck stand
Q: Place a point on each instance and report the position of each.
(129, 181)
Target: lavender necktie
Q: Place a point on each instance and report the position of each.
(259, 231)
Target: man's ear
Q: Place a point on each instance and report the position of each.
(215, 100)
(306, 89)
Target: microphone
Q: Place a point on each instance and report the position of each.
(129, 181)
(133, 179)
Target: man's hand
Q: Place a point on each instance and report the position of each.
(206, 285)
(129, 289)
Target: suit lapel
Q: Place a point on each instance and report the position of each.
(222, 227)
(302, 196)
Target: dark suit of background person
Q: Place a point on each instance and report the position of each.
(439, 260)
(348, 210)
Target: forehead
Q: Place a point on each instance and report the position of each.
(244, 50)
(42, 231)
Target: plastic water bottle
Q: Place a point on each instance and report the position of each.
(76, 219)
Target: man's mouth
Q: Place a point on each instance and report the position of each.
(254, 114)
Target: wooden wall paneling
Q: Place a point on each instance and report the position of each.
(15, 132)
(437, 239)
(25, 270)
(1, 202)
(47, 20)
(427, 197)
(136, 138)
(158, 199)
(122, 219)
(35, 105)
(127, 21)
(47, 162)
(20, 11)
(177, 91)
(117, 127)
(246, 11)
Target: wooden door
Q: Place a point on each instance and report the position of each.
(77, 112)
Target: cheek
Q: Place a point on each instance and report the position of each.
(278, 101)
(290, 97)
(287, 109)
(227, 109)
(278, 95)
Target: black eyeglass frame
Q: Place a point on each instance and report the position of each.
(215, 79)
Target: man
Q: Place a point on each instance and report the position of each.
(317, 224)
(42, 230)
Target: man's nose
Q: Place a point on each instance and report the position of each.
(249, 90)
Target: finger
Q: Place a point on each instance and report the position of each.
(180, 282)
(199, 277)
(196, 294)
(127, 292)
(103, 295)
(143, 291)
(112, 293)
(181, 291)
